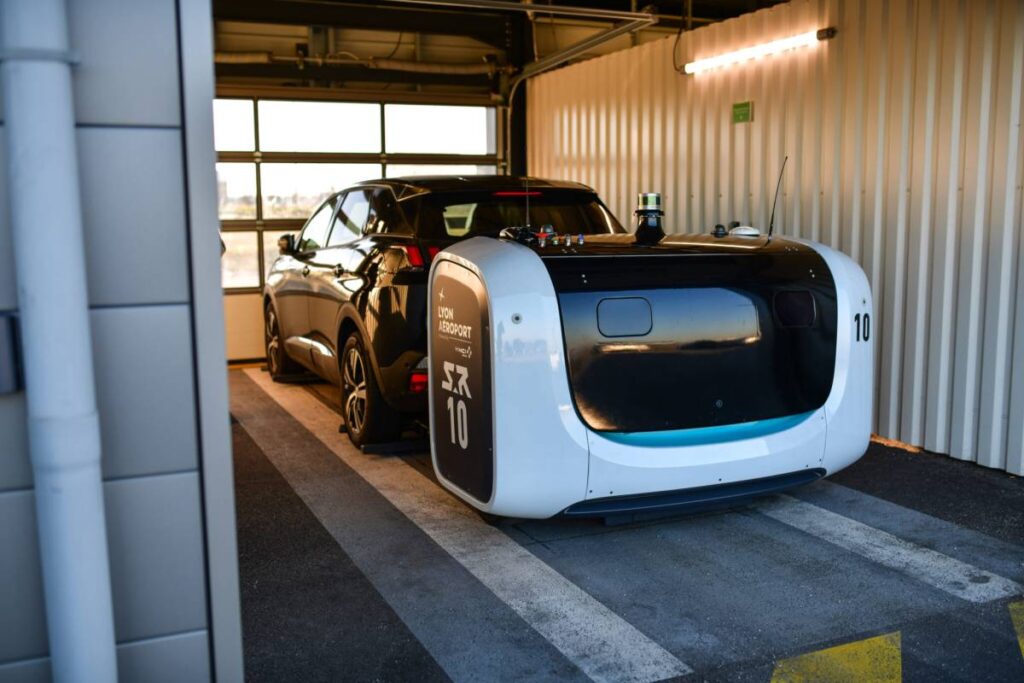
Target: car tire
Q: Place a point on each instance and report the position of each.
(280, 366)
(368, 417)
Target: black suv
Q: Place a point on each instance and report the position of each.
(347, 298)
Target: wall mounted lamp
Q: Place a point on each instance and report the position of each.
(758, 51)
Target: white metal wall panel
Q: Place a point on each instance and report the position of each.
(905, 151)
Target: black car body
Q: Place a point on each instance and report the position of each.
(347, 297)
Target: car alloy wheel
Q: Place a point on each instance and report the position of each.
(354, 383)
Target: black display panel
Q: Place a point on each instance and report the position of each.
(736, 336)
(460, 376)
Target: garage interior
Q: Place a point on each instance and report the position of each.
(237, 532)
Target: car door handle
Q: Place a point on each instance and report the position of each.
(305, 271)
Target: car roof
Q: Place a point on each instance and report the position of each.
(406, 185)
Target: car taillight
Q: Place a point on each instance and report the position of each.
(414, 255)
(417, 382)
(432, 252)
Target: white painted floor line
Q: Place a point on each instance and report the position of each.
(934, 568)
(602, 644)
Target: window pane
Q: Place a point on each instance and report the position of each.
(314, 235)
(295, 190)
(270, 249)
(351, 218)
(236, 190)
(233, 126)
(398, 170)
(239, 266)
(439, 129)
(319, 126)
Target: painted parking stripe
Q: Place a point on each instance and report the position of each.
(963, 543)
(941, 571)
(877, 659)
(602, 644)
(417, 578)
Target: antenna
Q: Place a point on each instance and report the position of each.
(771, 222)
(527, 193)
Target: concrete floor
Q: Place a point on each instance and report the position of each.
(355, 567)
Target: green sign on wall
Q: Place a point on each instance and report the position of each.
(742, 112)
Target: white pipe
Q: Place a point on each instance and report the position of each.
(515, 6)
(480, 68)
(64, 437)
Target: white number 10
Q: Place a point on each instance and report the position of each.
(458, 420)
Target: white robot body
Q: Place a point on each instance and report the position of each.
(608, 378)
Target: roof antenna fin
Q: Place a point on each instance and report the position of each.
(771, 222)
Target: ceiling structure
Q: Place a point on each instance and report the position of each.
(406, 51)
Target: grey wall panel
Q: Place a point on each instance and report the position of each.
(155, 534)
(144, 389)
(26, 671)
(128, 73)
(22, 615)
(133, 207)
(905, 151)
(171, 659)
(15, 469)
(8, 293)
(156, 565)
(144, 393)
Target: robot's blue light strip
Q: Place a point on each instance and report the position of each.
(701, 436)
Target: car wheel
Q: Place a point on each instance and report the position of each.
(279, 365)
(368, 417)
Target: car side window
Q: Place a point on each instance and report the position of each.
(389, 216)
(314, 235)
(351, 219)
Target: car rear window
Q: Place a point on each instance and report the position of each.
(469, 214)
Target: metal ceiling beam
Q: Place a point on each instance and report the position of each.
(352, 73)
(489, 28)
(281, 92)
(585, 45)
(511, 6)
(632, 21)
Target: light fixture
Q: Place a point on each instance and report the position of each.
(759, 51)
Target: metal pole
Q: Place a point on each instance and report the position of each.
(49, 257)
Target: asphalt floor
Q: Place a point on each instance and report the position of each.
(906, 566)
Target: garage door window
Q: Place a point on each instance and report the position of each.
(239, 264)
(437, 129)
(278, 159)
(236, 191)
(319, 126)
(295, 190)
(234, 128)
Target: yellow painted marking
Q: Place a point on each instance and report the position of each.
(1017, 617)
(875, 659)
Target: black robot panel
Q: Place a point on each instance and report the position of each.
(695, 338)
(460, 375)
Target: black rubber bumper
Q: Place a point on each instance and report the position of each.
(692, 500)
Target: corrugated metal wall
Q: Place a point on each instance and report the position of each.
(905, 151)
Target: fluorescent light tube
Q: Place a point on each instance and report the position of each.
(757, 51)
